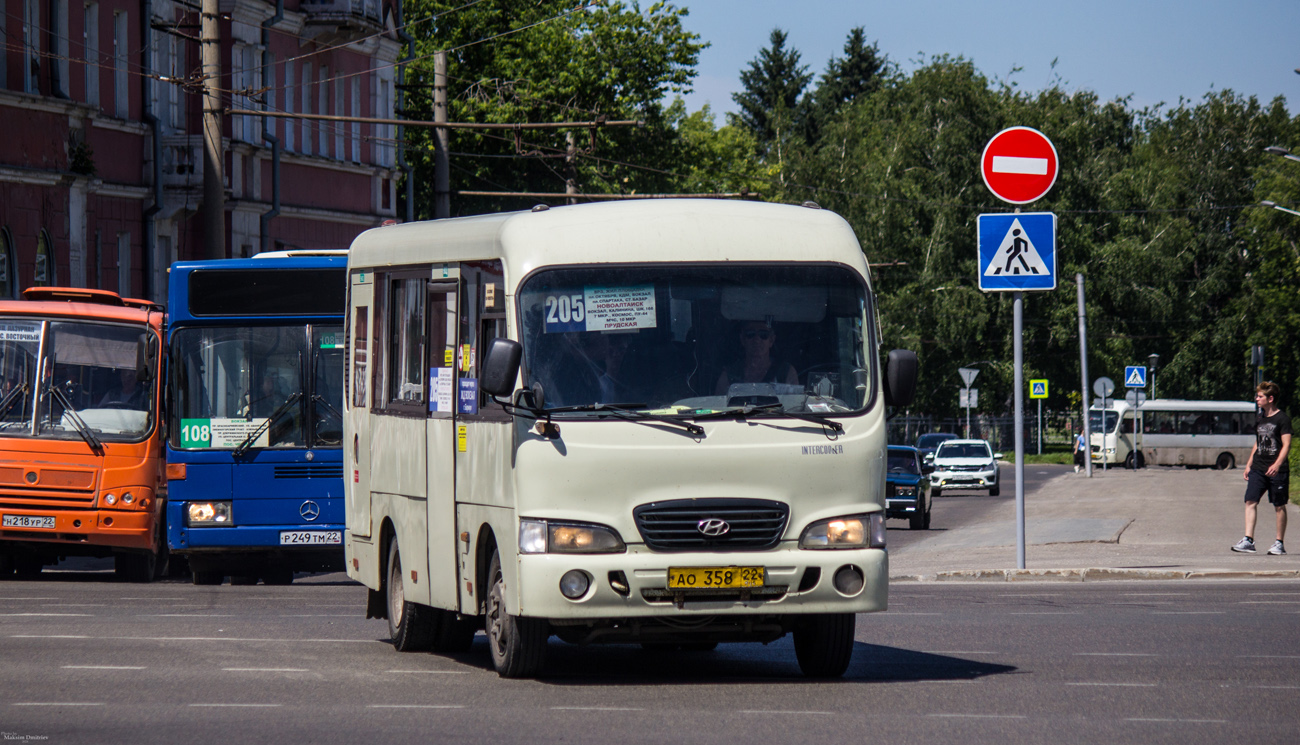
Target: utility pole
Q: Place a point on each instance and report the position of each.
(1083, 371)
(214, 189)
(441, 139)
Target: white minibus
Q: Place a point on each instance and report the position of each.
(1173, 432)
(655, 422)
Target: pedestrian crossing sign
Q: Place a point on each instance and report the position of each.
(1017, 251)
(1038, 389)
(1135, 376)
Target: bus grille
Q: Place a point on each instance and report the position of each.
(752, 524)
(313, 471)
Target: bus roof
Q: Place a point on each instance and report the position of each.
(82, 304)
(634, 231)
(1178, 404)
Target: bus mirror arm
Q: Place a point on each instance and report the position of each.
(900, 377)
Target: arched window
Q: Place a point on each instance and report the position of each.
(7, 266)
(46, 270)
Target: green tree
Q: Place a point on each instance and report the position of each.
(772, 103)
(858, 72)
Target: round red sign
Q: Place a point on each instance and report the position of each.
(1019, 165)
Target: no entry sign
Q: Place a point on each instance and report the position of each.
(1019, 165)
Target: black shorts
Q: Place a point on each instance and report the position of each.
(1257, 483)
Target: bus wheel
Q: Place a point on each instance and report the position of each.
(1135, 457)
(411, 626)
(1225, 461)
(823, 644)
(135, 567)
(518, 644)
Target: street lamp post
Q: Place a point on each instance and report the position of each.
(1152, 359)
(1275, 150)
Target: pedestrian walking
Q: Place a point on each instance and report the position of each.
(1080, 449)
(1267, 471)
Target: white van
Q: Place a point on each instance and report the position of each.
(657, 422)
(1173, 432)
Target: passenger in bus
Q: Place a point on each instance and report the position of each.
(614, 387)
(128, 392)
(758, 365)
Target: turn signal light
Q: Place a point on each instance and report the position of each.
(175, 471)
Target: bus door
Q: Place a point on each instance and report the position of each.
(445, 357)
(356, 456)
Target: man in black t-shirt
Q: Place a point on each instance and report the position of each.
(1267, 470)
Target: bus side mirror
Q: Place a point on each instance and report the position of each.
(500, 366)
(146, 352)
(900, 377)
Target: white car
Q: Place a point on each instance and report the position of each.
(965, 464)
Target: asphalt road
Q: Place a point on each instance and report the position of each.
(84, 659)
(954, 509)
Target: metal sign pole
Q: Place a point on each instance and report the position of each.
(1017, 334)
(1040, 426)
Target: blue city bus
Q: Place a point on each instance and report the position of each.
(255, 393)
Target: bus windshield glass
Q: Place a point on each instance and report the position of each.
(699, 339)
(259, 387)
(1094, 421)
(97, 381)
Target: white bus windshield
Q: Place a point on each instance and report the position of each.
(699, 338)
(1094, 421)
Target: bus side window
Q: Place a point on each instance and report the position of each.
(483, 318)
(1128, 423)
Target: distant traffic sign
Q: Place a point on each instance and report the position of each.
(1017, 252)
(1019, 165)
(1135, 376)
(1136, 398)
(1103, 387)
(1038, 389)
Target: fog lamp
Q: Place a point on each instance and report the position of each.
(574, 584)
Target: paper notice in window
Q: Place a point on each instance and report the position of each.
(620, 308)
(442, 389)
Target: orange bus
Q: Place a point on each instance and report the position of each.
(81, 449)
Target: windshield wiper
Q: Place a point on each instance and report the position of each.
(12, 398)
(321, 400)
(77, 423)
(772, 408)
(279, 412)
(631, 416)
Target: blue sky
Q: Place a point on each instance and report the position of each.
(1151, 50)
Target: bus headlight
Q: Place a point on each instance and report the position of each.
(207, 513)
(857, 531)
(543, 537)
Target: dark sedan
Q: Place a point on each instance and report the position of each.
(907, 491)
(927, 443)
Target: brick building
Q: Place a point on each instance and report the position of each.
(101, 156)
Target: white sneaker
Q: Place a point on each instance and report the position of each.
(1244, 546)
(1277, 549)
(1076, 469)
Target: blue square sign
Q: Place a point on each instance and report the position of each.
(1017, 251)
(1135, 376)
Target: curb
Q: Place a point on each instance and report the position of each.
(1092, 574)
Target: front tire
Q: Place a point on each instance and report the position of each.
(1225, 461)
(137, 568)
(411, 626)
(518, 644)
(995, 490)
(823, 644)
(455, 634)
(936, 491)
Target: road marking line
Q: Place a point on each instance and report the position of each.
(1288, 594)
(413, 706)
(196, 639)
(320, 615)
(905, 613)
(74, 605)
(1155, 594)
(251, 706)
(1188, 612)
(265, 670)
(1034, 595)
(48, 615)
(20, 598)
(102, 667)
(778, 711)
(1238, 685)
(1113, 654)
(1270, 656)
(1044, 613)
(430, 672)
(1267, 602)
(58, 703)
(1189, 721)
(186, 615)
(155, 598)
(48, 636)
(1122, 685)
(1026, 166)
(981, 716)
(954, 651)
(601, 708)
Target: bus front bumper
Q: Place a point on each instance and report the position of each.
(111, 528)
(635, 584)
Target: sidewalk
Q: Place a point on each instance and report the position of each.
(1156, 523)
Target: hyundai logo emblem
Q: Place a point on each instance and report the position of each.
(309, 510)
(713, 527)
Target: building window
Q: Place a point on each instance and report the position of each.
(322, 102)
(124, 264)
(62, 73)
(46, 270)
(288, 106)
(31, 46)
(91, 53)
(306, 108)
(341, 127)
(356, 126)
(7, 265)
(121, 105)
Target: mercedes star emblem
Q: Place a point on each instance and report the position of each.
(309, 510)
